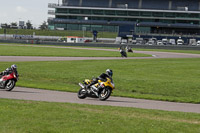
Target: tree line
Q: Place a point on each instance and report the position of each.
(27, 25)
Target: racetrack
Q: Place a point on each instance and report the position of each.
(56, 96)
(155, 55)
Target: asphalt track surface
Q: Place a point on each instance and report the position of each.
(58, 96)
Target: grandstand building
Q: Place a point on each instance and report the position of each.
(132, 16)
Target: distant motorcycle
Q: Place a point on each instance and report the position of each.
(129, 50)
(123, 53)
(7, 82)
(101, 90)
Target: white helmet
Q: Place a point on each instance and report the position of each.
(109, 72)
(13, 67)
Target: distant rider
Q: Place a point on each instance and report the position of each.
(102, 77)
(10, 70)
(122, 51)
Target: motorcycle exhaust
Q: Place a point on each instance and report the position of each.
(81, 85)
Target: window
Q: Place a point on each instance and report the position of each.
(85, 11)
(108, 12)
(99, 12)
(133, 13)
(157, 14)
(182, 15)
(75, 11)
(170, 15)
(121, 13)
(61, 10)
(193, 15)
(145, 13)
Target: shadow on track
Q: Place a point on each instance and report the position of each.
(22, 92)
(112, 101)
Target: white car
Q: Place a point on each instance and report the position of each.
(159, 42)
(198, 43)
(180, 42)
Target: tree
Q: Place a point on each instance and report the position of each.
(29, 25)
(4, 25)
(44, 26)
(13, 24)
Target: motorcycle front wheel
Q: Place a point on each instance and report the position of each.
(82, 93)
(10, 85)
(104, 94)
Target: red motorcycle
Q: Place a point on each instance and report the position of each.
(7, 82)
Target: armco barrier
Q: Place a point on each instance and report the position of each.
(173, 47)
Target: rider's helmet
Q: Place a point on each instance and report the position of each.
(13, 67)
(109, 72)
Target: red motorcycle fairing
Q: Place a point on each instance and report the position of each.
(4, 79)
(10, 76)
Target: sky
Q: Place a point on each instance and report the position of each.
(23, 10)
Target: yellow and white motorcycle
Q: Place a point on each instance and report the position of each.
(101, 90)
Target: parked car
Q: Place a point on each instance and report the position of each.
(151, 42)
(180, 41)
(165, 41)
(139, 41)
(159, 42)
(88, 40)
(192, 42)
(172, 41)
(134, 41)
(198, 43)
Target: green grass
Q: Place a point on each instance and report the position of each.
(168, 50)
(137, 49)
(37, 117)
(26, 50)
(58, 33)
(159, 79)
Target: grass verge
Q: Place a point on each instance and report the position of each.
(23, 50)
(29, 116)
(58, 33)
(137, 49)
(174, 51)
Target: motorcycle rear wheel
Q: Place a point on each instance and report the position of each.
(82, 93)
(10, 85)
(104, 94)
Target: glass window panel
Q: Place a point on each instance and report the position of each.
(85, 11)
(157, 14)
(145, 13)
(99, 12)
(121, 13)
(75, 11)
(133, 13)
(61, 10)
(193, 15)
(182, 15)
(170, 14)
(108, 12)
